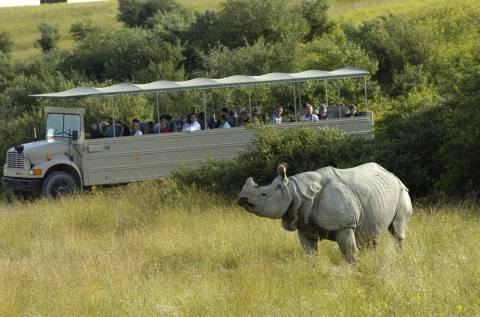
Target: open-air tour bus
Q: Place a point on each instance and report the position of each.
(67, 160)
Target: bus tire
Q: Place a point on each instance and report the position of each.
(59, 184)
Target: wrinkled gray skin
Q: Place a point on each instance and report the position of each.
(350, 206)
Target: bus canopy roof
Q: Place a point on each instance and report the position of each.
(206, 83)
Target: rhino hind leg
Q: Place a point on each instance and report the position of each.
(398, 227)
(347, 244)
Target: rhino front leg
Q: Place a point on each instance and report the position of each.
(347, 244)
(308, 241)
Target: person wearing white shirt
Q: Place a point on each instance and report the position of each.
(277, 116)
(194, 125)
(136, 128)
(309, 115)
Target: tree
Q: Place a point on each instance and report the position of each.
(245, 21)
(49, 37)
(6, 43)
(315, 12)
(138, 12)
(81, 30)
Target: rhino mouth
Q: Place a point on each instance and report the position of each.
(243, 201)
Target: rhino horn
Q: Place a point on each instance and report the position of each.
(282, 171)
(250, 182)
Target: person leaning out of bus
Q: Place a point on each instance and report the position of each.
(309, 115)
(135, 130)
(277, 116)
(223, 121)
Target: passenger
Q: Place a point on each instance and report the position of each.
(194, 125)
(256, 117)
(244, 117)
(96, 132)
(183, 123)
(126, 130)
(150, 127)
(201, 120)
(323, 113)
(165, 126)
(212, 122)
(109, 130)
(223, 121)
(353, 111)
(277, 116)
(309, 115)
(135, 131)
(232, 118)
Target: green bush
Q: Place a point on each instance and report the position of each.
(138, 12)
(303, 148)
(6, 44)
(315, 12)
(49, 37)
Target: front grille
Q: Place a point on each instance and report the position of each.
(15, 160)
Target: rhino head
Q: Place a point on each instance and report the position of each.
(271, 201)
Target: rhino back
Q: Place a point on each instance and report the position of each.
(364, 197)
(378, 192)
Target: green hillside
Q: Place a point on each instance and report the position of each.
(22, 22)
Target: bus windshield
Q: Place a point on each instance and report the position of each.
(62, 125)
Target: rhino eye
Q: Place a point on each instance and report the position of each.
(279, 186)
(264, 194)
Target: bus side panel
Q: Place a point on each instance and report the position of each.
(125, 159)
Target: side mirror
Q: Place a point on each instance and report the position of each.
(75, 135)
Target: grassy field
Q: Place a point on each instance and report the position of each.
(22, 22)
(148, 249)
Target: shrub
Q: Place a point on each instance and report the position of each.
(301, 147)
(138, 12)
(49, 37)
(6, 44)
(315, 12)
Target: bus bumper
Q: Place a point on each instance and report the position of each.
(22, 184)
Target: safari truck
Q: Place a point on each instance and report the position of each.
(67, 160)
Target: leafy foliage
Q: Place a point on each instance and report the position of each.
(302, 148)
(138, 12)
(49, 37)
(6, 43)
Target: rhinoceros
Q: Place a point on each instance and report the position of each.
(351, 206)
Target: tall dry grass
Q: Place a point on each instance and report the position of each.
(151, 249)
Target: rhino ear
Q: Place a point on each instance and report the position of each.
(282, 171)
(290, 219)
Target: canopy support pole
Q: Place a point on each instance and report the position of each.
(295, 103)
(338, 96)
(326, 92)
(158, 113)
(113, 117)
(365, 88)
(300, 95)
(205, 110)
(250, 101)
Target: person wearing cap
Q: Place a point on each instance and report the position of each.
(309, 115)
(323, 113)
